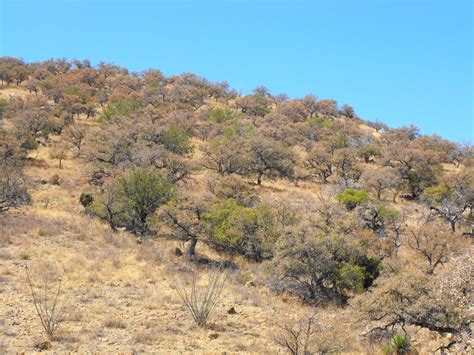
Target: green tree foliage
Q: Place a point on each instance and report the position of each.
(144, 192)
(369, 153)
(322, 267)
(242, 230)
(176, 140)
(86, 199)
(353, 197)
(131, 201)
(417, 168)
(254, 105)
(221, 115)
(118, 109)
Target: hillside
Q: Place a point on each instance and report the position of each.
(341, 231)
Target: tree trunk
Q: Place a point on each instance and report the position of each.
(453, 226)
(191, 250)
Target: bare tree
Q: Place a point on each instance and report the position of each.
(298, 338)
(431, 242)
(75, 135)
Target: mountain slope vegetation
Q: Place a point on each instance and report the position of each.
(335, 234)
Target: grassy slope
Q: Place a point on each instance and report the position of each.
(119, 292)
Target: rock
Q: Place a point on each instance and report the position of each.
(213, 336)
(45, 345)
(231, 310)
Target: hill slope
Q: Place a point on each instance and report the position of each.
(311, 210)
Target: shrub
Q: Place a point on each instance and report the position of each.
(131, 201)
(59, 154)
(242, 230)
(221, 115)
(233, 187)
(353, 197)
(55, 180)
(86, 199)
(322, 267)
(13, 192)
(202, 300)
(29, 143)
(176, 140)
(369, 152)
(399, 344)
(298, 338)
(49, 309)
(119, 108)
(436, 194)
(143, 192)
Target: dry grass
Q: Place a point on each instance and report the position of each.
(118, 292)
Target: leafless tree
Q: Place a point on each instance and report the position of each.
(299, 338)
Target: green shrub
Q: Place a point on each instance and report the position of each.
(238, 130)
(368, 153)
(350, 277)
(86, 199)
(323, 266)
(241, 230)
(176, 140)
(399, 344)
(119, 108)
(142, 193)
(132, 201)
(436, 194)
(353, 197)
(29, 143)
(221, 115)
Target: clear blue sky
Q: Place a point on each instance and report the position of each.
(400, 61)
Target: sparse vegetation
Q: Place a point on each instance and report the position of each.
(316, 209)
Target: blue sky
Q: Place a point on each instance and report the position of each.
(400, 61)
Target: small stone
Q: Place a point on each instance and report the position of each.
(231, 310)
(213, 336)
(45, 345)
